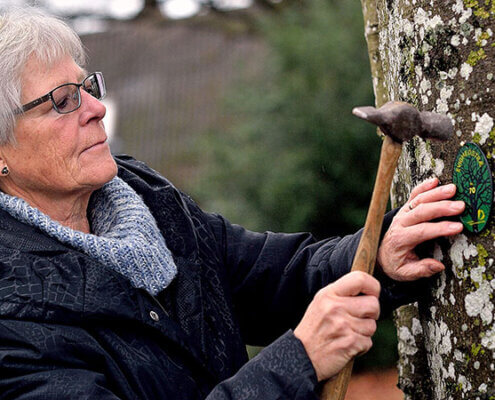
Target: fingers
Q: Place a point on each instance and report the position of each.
(426, 205)
(355, 283)
(417, 222)
(363, 306)
(423, 187)
(431, 195)
(434, 195)
(353, 347)
(416, 234)
(363, 326)
(430, 211)
(339, 322)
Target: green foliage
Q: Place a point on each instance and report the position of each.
(294, 158)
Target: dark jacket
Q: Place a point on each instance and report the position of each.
(71, 328)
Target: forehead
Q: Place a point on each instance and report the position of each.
(38, 78)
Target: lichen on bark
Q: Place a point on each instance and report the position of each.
(438, 55)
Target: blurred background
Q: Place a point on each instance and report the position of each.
(243, 104)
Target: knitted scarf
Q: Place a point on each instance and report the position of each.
(126, 237)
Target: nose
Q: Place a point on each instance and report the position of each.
(91, 108)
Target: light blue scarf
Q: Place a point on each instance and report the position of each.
(126, 237)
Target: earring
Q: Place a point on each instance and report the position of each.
(5, 171)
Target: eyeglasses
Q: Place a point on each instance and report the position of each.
(66, 98)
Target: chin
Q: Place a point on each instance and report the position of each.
(100, 171)
(107, 170)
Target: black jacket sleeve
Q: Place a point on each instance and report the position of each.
(274, 276)
(282, 370)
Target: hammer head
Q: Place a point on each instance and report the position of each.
(401, 121)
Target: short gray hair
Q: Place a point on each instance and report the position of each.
(26, 32)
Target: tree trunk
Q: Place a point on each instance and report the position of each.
(438, 55)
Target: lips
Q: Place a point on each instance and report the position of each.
(96, 145)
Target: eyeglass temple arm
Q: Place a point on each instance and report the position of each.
(32, 104)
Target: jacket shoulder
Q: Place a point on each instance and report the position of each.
(131, 169)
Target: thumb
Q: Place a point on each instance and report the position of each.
(420, 269)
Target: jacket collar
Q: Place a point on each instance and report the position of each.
(19, 236)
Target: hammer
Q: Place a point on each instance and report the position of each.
(399, 122)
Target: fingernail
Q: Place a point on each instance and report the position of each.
(458, 205)
(436, 268)
(448, 188)
(455, 226)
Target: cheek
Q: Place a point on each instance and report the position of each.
(46, 147)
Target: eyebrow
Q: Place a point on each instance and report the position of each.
(83, 74)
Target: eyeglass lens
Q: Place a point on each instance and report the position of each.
(67, 98)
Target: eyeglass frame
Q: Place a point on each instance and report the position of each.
(49, 95)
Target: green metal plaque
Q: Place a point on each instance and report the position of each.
(473, 179)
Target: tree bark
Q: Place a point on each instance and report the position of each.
(439, 56)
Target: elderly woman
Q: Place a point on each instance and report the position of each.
(114, 285)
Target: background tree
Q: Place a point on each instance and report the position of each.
(438, 55)
(295, 158)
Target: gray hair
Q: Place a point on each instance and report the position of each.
(26, 32)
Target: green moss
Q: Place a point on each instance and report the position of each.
(482, 13)
(475, 56)
(483, 36)
(482, 255)
(471, 3)
(475, 349)
(476, 138)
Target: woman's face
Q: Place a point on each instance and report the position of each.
(57, 154)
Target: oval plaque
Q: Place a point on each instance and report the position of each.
(473, 179)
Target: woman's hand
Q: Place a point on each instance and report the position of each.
(339, 322)
(412, 226)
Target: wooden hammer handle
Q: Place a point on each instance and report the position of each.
(365, 257)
